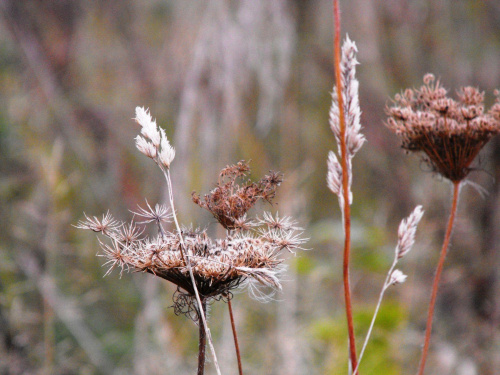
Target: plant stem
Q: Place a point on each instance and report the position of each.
(190, 269)
(437, 277)
(345, 187)
(236, 345)
(202, 341)
(377, 308)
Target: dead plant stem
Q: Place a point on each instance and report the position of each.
(235, 336)
(437, 277)
(202, 340)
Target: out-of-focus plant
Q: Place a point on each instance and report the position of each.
(345, 124)
(450, 133)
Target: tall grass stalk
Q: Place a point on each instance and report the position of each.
(346, 215)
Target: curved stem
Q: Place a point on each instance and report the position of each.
(437, 277)
(345, 189)
(202, 341)
(235, 336)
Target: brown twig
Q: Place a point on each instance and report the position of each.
(202, 340)
(439, 269)
(236, 345)
(345, 189)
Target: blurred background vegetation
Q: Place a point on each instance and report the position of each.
(232, 80)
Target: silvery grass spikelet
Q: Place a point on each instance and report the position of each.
(354, 139)
(158, 147)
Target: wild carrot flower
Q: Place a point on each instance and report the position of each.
(449, 132)
(250, 251)
(229, 202)
(219, 266)
(203, 269)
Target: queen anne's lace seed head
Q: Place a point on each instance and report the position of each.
(249, 252)
(218, 266)
(449, 132)
(230, 201)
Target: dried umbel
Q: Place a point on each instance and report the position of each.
(218, 266)
(450, 132)
(203, 269)
(229, 202)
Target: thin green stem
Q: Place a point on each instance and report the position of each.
(437, 277)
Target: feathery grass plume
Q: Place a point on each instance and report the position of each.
(449, 132)
(406, 239)
(354, 139)
(345, 125)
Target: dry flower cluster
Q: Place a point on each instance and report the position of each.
(229, 202)
(203, 269)
(218, 266)
(450, 132)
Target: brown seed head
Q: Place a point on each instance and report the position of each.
(229, 201)
(449, 132)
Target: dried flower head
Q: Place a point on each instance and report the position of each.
(229, 201)
(449, 132)
(218, 266)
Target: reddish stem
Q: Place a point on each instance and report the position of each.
(345, 189)
(437, 277)
(236, 345)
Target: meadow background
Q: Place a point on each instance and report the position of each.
(231, 80)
